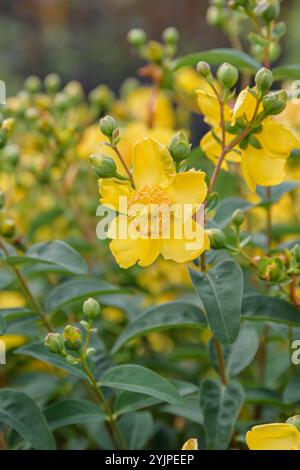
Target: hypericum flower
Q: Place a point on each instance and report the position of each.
(274, 436)
(264, 150)
(157, 190)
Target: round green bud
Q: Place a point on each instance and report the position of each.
(103, 166)
(216, 16)
(72, 338)
(102, 96)
(8, 126)
(52, 83)
(61, 101)
(238, 217)
(217, 238)
(107, 125)
(264, 80)
(136, 37)
(91, 308)
(295, 420)
(33, 84)
(228, 75)
(179, 147)
(275, 102)
(203, 68)
(54, 342)
(170, 35)
(154, 51)
(272, 11)
(74, 91)
(7, 227)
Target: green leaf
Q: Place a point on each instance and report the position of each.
(227, 207)
(20, 412)
(127, 402)
(141, 380)
(162, 317)
(265, 308)
(14, 316)
(240, 354)
(291, 393)
(278, 191)
(190, 410)
(217, 56)
(221, 290)
(39, 351)
(49, 256)
(3, 326)
(287, 72)
(221, 406)
(137, 429)
(263, 396)
(66, 412)
(77, 289)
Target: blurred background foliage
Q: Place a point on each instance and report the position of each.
(86, 40)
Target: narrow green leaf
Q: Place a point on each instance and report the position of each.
(77, 289)
(217, 56)
(265, 308)
(66, 412)
(221, 406)
(20, 412)
(14, 316)
(137, 429)
(49, 256)
(141, 380)
(221, 291)
(162, 317)
(38, 351)
(189, 410)
(287, 72)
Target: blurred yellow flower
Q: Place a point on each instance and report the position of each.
(11, 299)
(138, 102)
(264, 152)
(156, 183)
(274, 436)
(13, 341)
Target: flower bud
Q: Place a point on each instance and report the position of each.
(271, 11)
(238, 217)
(275, 102)
(179, 147)
(33, 84)
(54, 342)
(7, 227)
(264, 80)
(12, 154)
(295, 420)
(154, 51)
(203, 68)
(8, 126)
(107, 125)
(136, 37)
(52, 83)
(91, 308)
(102, 96)
(228, 75)
(170, 35)
(72, 338)
(216, 16)
(74, 91)
(217, 238)
(61, 101)
(103, 166)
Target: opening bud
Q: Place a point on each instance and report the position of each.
(103, 166)
(91, 308)
(217, 238)
(107, 125)
(54, 342)
(238, 217)
(170, 35)
(72, 338)
(275, 102)
(136, 37)
(179, 147)
(264, 80)
(228, 75)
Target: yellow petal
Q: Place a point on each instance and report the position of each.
(188, 187)
(138, 103)
(186, 242)
(115, 193)
(212, 148)
(259, 169)
(277, 139)
(245, 106)
(128, 251)
(12, 341)
(188, 80)
(152, 164)
(191, 444)
(275, 436)
(210, 108)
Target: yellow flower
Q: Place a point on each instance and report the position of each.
(156, 185)
(264, 151)
(191, 444)
(138, 102)
(13, 341)
(187, 80)
(274, 436)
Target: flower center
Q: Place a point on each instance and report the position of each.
(150, 195)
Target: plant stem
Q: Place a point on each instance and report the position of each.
(269, 220)
(27, 292)
(115, 148)
(221, 361)
(112, 425)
